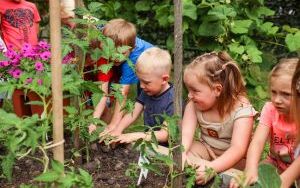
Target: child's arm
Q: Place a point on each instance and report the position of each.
(100, 106)
(241, 135)
(290, 174)
(127, 119)
(118, 113)
(189, 124)
(161, 136)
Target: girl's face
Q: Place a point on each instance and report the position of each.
(203, 96)
(281, 93)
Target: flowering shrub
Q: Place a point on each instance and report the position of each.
(26, 65)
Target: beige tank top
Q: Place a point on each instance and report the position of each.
(218, 135)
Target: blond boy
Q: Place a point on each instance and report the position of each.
(153, 70)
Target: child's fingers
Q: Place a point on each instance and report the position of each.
(233, 183)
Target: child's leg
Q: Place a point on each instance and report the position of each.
(199, 149)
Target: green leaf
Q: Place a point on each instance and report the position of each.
(86, 176)
(222, 12)
(189, 9)
(143, 5)
(96, 54)
(211, 29)
(7, 165)
(50, 176)
(95, 6)
(254, 54)
(268, 176)
(71, 110)
(236, 48)
(96, 98)
(293, 41)
(106, 67)
(262, 94)
(165, 159)
(264, 11)
(241, 26)
(57, 166)
(268, 28)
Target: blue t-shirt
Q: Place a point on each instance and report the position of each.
(154, 106)
(128, 75)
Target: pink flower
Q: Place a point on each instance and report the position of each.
(45, 55)
(43, 44)
(40, 81)
(28, 80)
(5, 63)
(39, 66)
(17, 73)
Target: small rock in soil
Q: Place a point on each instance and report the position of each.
(119, 166)
(17, 168)
(91, 166)
(94, 147)
(28, 162)
(117, 186)
(111, 181)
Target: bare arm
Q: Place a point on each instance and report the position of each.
(128, 119)
(290, 174)
(189, 124)
(101, 105)
(118, 114)
(240, 140)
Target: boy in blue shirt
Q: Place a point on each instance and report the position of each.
(123, 33)
(153, 70)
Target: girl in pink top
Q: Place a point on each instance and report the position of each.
(275, 123)
(293, 172)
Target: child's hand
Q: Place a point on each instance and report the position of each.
(204, 173)
(251, 176)
(92, 128)
(130, 137)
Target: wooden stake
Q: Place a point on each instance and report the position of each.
(56, 72)
(178, 83)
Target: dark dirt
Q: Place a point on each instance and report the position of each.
(107, 168)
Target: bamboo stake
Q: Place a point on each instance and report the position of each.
(178, 83)
(56, 72)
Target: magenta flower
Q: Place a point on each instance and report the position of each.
(40, 81)
(26, 47)
(17, 73)
(5, 63)
(45, 55)
(43, 44)
(39, 66)
(28, 80)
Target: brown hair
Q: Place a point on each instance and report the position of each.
(218, 67)
(295, 105)
(121, 32)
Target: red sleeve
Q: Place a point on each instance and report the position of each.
(36, 17)
(102, 76)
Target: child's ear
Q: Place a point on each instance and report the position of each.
(218, 89)
(165, 77)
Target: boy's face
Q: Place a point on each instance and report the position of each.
(152, 84)
(118, 62)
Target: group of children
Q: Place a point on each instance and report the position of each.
(218, 102)
(218, 105)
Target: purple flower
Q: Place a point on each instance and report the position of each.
(39, 66)
(28, 80)
(45, 55)
(26, 47)
(17, 73)
(5, 63)
(40, 81)
(43, 44)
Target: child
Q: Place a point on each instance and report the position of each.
(123, 33)
(219, 105)
(276, 122)
(153, 69)
(293, 172)
(19, 22)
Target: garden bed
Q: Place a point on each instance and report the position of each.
(107, 167)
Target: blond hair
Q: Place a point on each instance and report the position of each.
(154, 60)
(295, 105)
(218, 67)
(286, 66)
(122, 32)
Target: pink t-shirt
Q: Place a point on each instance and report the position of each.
(19, 23)
(282, 135)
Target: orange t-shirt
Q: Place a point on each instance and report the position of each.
(19, 23)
